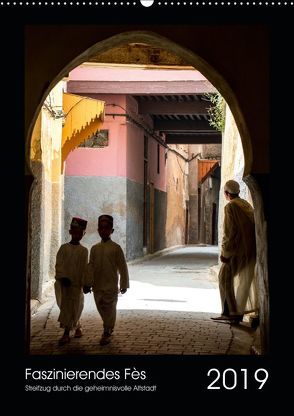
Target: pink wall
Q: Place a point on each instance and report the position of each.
(107, 161)
(125, 154)
(87, 73)
(135, 153)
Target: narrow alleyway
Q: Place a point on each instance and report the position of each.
(167, 310)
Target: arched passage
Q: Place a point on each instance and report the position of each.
(152, 38)
(222, 85)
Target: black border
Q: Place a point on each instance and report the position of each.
(185, 376)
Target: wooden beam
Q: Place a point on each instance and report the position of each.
(183, 125)
(192, 107)
(215, 138)
(140, 87)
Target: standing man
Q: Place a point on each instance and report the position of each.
(237, 283)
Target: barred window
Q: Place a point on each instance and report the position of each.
(99, 139)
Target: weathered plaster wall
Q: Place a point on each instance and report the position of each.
(135, 146)
(193, 235)
(158, 179)
(160, 205)
(262, 337)
(46, 195)
(134, 222)
(209, 196)
(90, 196)
(211, 151)
(37, 230)
(232, 165)
(177, 195)
(51, 156)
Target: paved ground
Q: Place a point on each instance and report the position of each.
(167, 310)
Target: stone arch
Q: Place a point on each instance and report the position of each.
(226, 91)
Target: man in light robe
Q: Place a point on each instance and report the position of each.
(71, 263)
(237, 281)
(107, 274)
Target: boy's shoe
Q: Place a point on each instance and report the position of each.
(105, 339)
(221, 318)
(64, 340)
(236, 318)
(78, 333)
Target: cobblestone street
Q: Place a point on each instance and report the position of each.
(167, 310)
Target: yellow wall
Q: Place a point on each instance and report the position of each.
(47, 135)
(46, 200)
(51, 135)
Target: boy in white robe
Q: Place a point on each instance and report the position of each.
(71, 263)
(107, 274)
(237, 282)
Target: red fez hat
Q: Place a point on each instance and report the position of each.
(78, 222)
(106, 217)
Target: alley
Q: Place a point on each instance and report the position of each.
(167, 310)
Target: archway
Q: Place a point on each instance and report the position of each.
(152, 38)
(220, 83)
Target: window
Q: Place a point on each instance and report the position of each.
(99, 139)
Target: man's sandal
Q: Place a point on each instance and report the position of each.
(64, 340)
(78, 333)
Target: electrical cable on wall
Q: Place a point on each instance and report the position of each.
(133, 118)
